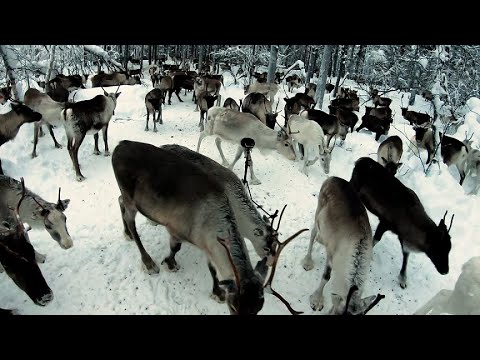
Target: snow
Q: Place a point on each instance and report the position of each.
(102, 272)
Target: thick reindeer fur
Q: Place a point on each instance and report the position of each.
(257, 104)
(50, 111)
(267, 89)
(311, 136)
(250, 223)
(192, 205)
(389, 153)
(11, 121)
(400, 210)
(341, 225)
(233, 126)
(37, 212)
(88, 117)
(153, 103)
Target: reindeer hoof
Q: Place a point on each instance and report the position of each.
(106, 153)
(9, 312)
(220, 298)
(255, 182)
(170, 265)
(146, 129)
(96, 152)
(155, 130)
(80, 177)
(316, 303)
(151, 268)
(403, 281)
(307, 263)
(127, 236)
(59, 146)
(34, 155)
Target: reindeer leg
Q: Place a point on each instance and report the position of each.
(1, 269)
(1, 170)
(170, 91)
(200, 124)
(170, 261)
(253, 179)
(218, 142)
(36, 128)
(316, 299)
(50, 130)
(298, 155)
(219, 99)
(381, 228)
(129, 219)
(148, 118)
(402, 277)
(177, 93)
(462, 175)
(40, 258)
(159, 116)
(127, 234)
(105, 140)
(40, 131)
(96, 151)
(307, 261)
(202, 136)
(218, 294)
(155, 121)
(74, 155)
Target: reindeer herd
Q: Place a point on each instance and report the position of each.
(206, 204)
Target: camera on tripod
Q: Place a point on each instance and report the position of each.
(247, 143)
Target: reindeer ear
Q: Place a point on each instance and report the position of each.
(63, 204)
(105, 93)
(117, 95)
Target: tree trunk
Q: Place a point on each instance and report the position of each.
(200, 57)
(272, 64)
(350, 61)
(415, 73)
(51, 62)
(311, 67)
(8, 58)
(360, 60)
(125, 57)
(322, 76)
(252, 64)
(150, 54)
(333, 69)
(341, 67)
(141, 57)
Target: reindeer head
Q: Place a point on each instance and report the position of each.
(326, 157)
(55, 221)
(18, 258)
(245, 295)
(353, 304)
(24, 110)
(284, 145)
(439, 245)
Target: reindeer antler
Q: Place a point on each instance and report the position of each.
(268, 284)
(349, 297)
(229, 254)
(375, 302)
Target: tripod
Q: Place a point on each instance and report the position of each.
(247, 144)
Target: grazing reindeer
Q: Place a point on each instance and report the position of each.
(346, 117)
(211, 86)
(389, 153)
(205, 101)
(454, 152)
(88, 117)
(295, 104)
(233, 126)
(311, 136)
(50, 111)
(400, 210)
(250, 224)
(231, 104)
(267, 89)
(349, 248)
(330, 124)
(11, 122)
(378, 126)
(17, 255)
(160, 184)
(257, 104)
(153, 102)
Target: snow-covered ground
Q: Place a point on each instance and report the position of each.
(102, 273)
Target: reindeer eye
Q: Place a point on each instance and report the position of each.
(286, 144)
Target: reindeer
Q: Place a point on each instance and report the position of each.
(113, 79)
(145, 175)
(454, 152)
(11, 122)
(381, 112)
(472, 166)
(153, 103)
(258, 105)
(232, 104)
(295, 104)
(5, 93)
(378, 126)
(267, 89)
(346, 117)
(17, 255)
(212, 86)
(311, 88)
(50, 111)
(400, 210)
(233, 126)
(88, 117)
(311, 136)
(205, 101)
(330, 124)
(413, 117)
(349, 248)
(389, 153)
(381, 101)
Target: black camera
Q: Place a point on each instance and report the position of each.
(247, 143)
